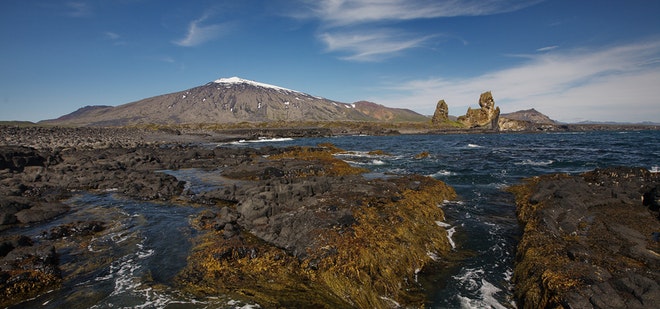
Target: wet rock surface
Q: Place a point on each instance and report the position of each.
(302, 229)
(590, 241)
(289, 226)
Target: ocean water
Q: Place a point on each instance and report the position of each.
(147, 245)
(482, 221)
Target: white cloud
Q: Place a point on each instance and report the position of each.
(547, 48)
(114, 37)
(79, 9)
(199, 34)
(613, 83)
(111, 35)
(370, 46)
(373, 42)
(346, 12)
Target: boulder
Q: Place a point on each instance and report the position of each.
(78, 228)
(41, 212)
(9, 206)
(16, 158)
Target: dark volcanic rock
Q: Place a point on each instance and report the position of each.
(588, 240)
(16, 158)
(26, 269)
(80, 228)
(304, 229)
(41, 212)
(290, 227)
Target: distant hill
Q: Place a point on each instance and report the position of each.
(644, 123)
(383, 113)
(84, 111)
(232, 100)
(529, 115)
(17, 123)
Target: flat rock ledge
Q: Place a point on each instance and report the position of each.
(589, 241)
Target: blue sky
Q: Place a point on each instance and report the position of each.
(572, 60)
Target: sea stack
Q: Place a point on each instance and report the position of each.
(485, 117)
(441, 114)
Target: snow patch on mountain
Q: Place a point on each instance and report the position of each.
(237, 80)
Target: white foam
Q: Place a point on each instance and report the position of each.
(263, 140)
(474, 146)
(450, 233)
(488, 291)
(145, 254)
(448, 202)
(442, 173)
(535, 163)
(378, 162)
(120, 237)
(359, 154)
(508, 274)
(472, 279)
(123, 273)
(237, 305)
(442, 224)
(396, 304)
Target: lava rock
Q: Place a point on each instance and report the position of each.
(588, 240)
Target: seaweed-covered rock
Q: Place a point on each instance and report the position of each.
(332, 241)
(26, 270)
(588, 240)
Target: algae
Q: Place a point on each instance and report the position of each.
(372, 262)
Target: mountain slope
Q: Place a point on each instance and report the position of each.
(530, 115)
(226, 100)
(383, 113)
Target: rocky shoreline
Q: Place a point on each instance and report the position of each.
(590, 240)
(296, 227)
(292, 227)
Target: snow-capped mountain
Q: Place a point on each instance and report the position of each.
(225, 100)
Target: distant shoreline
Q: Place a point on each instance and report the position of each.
(34, 135)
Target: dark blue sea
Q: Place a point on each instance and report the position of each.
(481, 222)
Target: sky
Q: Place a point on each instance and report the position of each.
(596, 60)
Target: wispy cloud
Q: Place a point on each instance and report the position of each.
(547, 48)
(199, 33)
(114, 37)
(585, 84)
(79, 9)
(370, 46)
(111, 35)
(340, 18)
(166, 59)
(346, 12)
